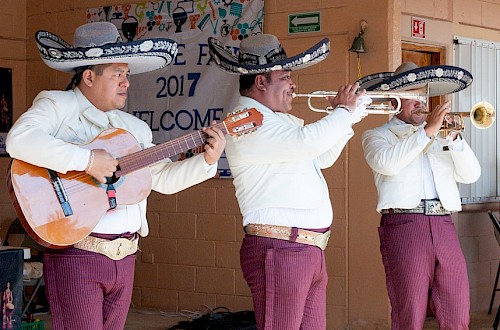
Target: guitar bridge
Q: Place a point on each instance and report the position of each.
(60, 192)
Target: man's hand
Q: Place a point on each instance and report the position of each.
(215, 144)
(436, 118)
(101, 165)
(347, 95)
(356, 101)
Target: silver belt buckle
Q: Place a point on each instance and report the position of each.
(434, 207)
(321, 240)
(117, 249)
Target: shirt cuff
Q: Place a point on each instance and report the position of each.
(343, 113)
(422, 138)
(211, 170)
(80, 160)
(457, 144)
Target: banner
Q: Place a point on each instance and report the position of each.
(190, 92)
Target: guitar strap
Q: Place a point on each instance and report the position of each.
(111, 192)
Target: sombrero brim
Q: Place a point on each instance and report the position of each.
(227, 61)
(368, 81)
(140, 55)
(442, 80)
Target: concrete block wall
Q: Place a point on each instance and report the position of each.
(13, 56)
(481, 251)
(192, 252)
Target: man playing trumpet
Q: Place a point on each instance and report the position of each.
(281, 191)
(416, 174)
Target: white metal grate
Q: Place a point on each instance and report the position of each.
(482, 59)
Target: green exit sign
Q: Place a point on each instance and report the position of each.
(304, 22)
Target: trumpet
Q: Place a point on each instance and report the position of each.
(381, 101)
(482, 116)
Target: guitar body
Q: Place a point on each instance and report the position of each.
(58, 210)
(38, 205)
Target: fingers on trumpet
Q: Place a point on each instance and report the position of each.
(347, 95)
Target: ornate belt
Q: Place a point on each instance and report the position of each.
(116, 249)
(426, 206)
(285, 233)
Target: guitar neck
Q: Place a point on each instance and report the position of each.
(149, 156)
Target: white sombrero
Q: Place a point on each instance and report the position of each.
(100, 43)
(263, 53)
(442, 79)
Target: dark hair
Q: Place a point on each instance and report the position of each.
(99, 68)
(77, 77)
(247, 81)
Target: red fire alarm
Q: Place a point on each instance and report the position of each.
(418, 27)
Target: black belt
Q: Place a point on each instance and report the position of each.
(426, 206)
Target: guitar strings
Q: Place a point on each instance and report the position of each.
(135, 161)
(129, 163)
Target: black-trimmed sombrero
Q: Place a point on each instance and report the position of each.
(100, 43)
(263, 53)
(442, 79)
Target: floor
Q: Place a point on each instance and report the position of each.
(478, 321)
(154, 320)
(137, 319)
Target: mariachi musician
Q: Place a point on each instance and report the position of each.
(89, 285)
(416, 172)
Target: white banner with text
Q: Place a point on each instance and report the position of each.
(190, 92)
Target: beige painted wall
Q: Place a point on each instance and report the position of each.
(191, 257)
(12, 55)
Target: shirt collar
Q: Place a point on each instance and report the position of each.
(90, 112)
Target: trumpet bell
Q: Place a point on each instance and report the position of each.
(482, 115)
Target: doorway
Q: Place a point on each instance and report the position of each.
(424, 55)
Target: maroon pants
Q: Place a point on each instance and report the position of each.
(423, 260)
(87, 290)
(288, 283)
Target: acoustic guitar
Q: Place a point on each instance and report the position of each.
(58, 210)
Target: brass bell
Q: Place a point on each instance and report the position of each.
(358, 45)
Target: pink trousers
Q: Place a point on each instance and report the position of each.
(288, 283)
(87, 290)
(424, 262)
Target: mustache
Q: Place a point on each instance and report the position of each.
(419, 109)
